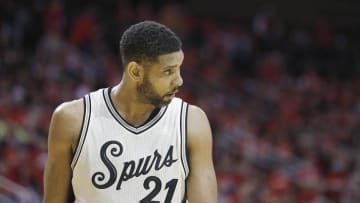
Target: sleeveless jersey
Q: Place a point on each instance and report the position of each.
(115, 162)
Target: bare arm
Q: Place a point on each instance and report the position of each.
(201, 183)
(64, 129)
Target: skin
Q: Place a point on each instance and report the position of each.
(142, 89)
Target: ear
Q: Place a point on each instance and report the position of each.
(135, 71)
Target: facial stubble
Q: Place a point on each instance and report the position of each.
(147, 94)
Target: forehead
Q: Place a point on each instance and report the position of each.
(173, 59)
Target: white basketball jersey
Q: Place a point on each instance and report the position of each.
(116, 162)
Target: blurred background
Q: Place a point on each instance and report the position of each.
(280, 84)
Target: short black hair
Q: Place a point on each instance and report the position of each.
(145, 41)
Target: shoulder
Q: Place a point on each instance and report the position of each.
(69, 111)
(199, 130)
(196, 114)
(66, 121)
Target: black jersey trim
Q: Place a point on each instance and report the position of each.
(184, 153)
(183, 135)
(136, 130)
(81, 129)
(84, 129)
(186, 138)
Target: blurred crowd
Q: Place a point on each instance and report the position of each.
(283, 100)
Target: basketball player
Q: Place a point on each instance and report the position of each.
(134, 142)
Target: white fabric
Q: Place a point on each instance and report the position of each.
(118, 174)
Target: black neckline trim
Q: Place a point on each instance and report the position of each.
(155, 116)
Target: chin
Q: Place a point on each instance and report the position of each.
(160, 101)
(163, 103)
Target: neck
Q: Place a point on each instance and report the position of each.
(127, 104)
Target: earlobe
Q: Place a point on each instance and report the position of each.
(135, 71)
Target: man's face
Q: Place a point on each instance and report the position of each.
(161, 80)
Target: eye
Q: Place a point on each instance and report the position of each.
(168, 72)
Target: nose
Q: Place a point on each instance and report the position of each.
(178, 81)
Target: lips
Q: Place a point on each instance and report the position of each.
(172, 93)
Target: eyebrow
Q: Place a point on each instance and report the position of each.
(171, 66)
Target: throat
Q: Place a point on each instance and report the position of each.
(137, 121)
(133, 113)
(152, 115)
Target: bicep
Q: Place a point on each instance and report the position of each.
(58, 171)
(201, 183)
